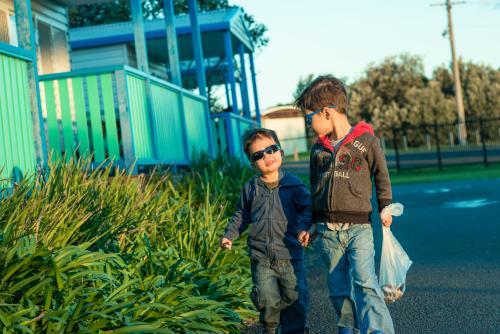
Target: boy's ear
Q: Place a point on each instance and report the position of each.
(282, 153)
(327, 113)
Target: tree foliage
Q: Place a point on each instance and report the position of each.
(396, 92)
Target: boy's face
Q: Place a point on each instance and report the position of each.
(320, 121)
(269, 163)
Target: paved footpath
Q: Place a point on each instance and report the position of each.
(451, 231)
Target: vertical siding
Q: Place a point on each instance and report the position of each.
(196, 120)
(136, 91)
(96, 122)
(169, 127)
(17, 148)
(98, 57)
(110, 121)
(82, 135)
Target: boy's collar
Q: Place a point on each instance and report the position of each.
(281, 174)
(359, 129)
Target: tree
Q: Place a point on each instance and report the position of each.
(481, 88)
(381, 95)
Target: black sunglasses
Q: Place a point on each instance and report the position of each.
(268, 150)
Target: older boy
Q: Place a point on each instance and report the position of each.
(276, 206)
(343, 163)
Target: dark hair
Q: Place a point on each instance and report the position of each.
(251, 135)
(323, 91)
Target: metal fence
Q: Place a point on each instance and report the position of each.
(228, 128)
(106, 112)
(427, 145)
(438, 145)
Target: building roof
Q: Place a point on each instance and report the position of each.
(80, 2)
(287, 111)
(212, 24)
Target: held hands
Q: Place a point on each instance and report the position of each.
(386, 219)
(225, 243)
(307, 237)
(303, 237)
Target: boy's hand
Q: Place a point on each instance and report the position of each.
(303, 237)
(226, 243)
(386, 220)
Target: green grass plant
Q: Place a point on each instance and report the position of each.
(98, 250)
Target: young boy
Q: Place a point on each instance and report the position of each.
(342, 165)
(276, 206)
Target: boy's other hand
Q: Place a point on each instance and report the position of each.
(386, 220)
(303, 237)
(226, 243)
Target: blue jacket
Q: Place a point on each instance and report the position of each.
(275, 217)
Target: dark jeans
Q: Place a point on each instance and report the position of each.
(280, 294)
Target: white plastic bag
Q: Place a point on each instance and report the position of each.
(394, 262)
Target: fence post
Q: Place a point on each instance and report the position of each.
(229, 131)
(405, 142)
(125, 122)
(438, 148)
(483, 142)
(396, 151)
(185, 134)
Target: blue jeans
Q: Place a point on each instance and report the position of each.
(280, 294)
(349, 258)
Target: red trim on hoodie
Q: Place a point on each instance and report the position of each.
(359, 129)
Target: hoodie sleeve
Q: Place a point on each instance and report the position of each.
(313, 177)
(241, 217)
(378, 168)
(302, 199)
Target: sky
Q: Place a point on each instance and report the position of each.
(343, 37)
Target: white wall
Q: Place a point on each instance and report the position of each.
(99, 57)
(52, 46)
(291, 133)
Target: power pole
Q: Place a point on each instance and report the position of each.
(462, 131)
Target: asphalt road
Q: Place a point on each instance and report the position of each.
(451, 231)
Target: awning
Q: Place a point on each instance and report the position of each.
(212, 24)
(80, 2)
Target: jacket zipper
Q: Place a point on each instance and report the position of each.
(269, 229)
(330, 193)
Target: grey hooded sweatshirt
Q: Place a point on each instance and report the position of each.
(275, 217)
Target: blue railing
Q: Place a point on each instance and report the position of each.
(228, 128)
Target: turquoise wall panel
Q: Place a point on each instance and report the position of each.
(196, 121)
(169, 126)
(136, 91)
(17, 146)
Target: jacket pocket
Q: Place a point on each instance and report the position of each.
(258, 230)
(254, 296)
(354, 191)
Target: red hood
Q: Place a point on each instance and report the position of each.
(359, 129)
